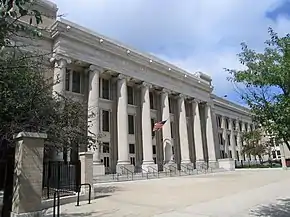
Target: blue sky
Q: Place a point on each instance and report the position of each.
(196, 35)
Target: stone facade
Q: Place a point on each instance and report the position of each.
(130, 91)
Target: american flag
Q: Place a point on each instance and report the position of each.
(158, 125)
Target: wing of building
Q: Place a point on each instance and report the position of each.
(130, 91)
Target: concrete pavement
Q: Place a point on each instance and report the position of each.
(237, 194)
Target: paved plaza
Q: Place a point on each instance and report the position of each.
(237, 194)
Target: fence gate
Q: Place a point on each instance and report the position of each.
(7, 163)
(62, 176)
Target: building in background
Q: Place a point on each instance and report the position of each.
(130, 91)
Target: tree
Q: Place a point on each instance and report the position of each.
(264, 84)
(26, 99)
(253, 144)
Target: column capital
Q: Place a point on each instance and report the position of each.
(58, 58)
(146, 84)
(94, 68)
(123, 77)
(165, 90)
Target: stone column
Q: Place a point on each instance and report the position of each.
(94, 118)
(183, 134)
(225, 137)
(197, 134)
(28, 170)
(166, 129)
(122, 125)
(60, 64)
(239, 141)
(146, 129)
(233, 142)
(209, 135)
(86, 159)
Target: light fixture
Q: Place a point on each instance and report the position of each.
(67, 28)
(150, 61)
(185, 76)
(101, 40)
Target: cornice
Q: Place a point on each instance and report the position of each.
(230, 106)
(101, 42)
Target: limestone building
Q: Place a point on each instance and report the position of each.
(130, 91)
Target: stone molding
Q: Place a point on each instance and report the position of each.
(30, 135)
(146, 84)
(94, 68)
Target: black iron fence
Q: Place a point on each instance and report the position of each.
(62, 176)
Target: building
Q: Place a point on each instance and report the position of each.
(130, 91)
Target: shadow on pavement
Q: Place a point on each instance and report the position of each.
(279, 209)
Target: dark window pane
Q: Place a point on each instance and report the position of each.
(76, 82)
(106, 121)
(151, 100)
(131, 124)
(106, 147)
(106, 88)
(130, 92)
(131, 148)
(67, 80)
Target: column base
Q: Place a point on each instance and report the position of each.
(29, 214)
(98, 169)
(122, 168)
(186, 165)
(149, 167)
(214, 164)
(200, 164)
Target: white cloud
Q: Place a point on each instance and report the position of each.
(195, 34)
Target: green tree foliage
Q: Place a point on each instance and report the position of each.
(264, 84)
(253, 144)
(26, 99)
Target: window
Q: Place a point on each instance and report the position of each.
(171, 127)
(234, 125)
(222, 154)
(154, 149)
(170, 105)
(130, 93)
(131, 127)
(240, 126)
(106, 161)
(251, 127)
(152, 123)
(236, 140)
(132, 160)
(105, 88)
(278, 152)
(131, 148)
(106, 121)
(246, 127)
(227, 123)
(151, 98)
(229, 140)
(155, 160)
(231, 156)
(219, 121)
(106, 147)
(238, 157)
(220, 135)
(67, 80)
(76, 82)
(73, 81)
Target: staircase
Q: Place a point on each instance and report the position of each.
(169, 171)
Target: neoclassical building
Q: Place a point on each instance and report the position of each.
(130, 91)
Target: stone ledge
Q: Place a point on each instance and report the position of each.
(30, 214)
(30, 135)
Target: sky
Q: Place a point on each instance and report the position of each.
(196, 35)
